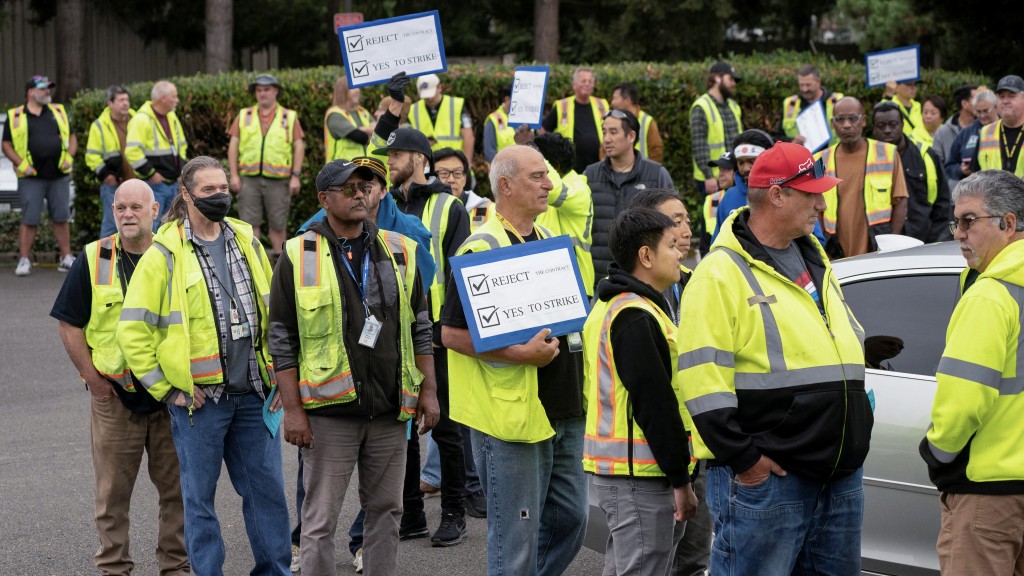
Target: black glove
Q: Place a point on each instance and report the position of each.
(396, 87)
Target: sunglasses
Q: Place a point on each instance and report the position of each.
(617, 114)
(350, 190)
(817, 169)
(964, 224)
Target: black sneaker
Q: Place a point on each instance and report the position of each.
(476, 504)
(451, 531)
(414, 525)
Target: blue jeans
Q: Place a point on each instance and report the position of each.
(107, 226)
(232, 431)
(536, 500)
(164, 193)
(431, 473)
(788, 525)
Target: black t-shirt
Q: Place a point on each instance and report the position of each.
(585, 134)
(44, 143)
(74, 306)
(560, 383)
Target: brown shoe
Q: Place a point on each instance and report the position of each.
(429, 490)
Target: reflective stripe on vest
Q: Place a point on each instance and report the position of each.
(107, 299)
(268, 155)
(504, 134)
(929, 171)
(613, 444)
(645, 120)
(716, 129)
(990, 154)
(566, 111)
(436, 220)
(19, 138)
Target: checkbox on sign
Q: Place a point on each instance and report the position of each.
(355, 43)
(478, 285)
(512, 108)
(488, 316)
(360, 69)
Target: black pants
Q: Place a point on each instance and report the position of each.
(449, 446)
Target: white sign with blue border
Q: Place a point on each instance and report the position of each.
(376, 51)
(509, 294)
(529, 86)
(896, 65)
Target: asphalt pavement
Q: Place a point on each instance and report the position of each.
(46, 481)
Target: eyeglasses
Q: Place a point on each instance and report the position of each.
(964, 224)
(349, 190)
(446, 174)
(851, 118)
(979, 111)
(817, 169)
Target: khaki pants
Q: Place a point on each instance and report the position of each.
(118, 441)
(981, 534)
(261, 196)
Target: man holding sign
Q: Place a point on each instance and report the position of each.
(524, 402)
(810, 91)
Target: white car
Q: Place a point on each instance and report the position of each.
(906, 294)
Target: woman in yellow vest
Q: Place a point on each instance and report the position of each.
(347, 125)
(635, 440)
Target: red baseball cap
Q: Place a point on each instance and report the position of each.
(792, 166)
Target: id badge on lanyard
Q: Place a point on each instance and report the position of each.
(371, 328)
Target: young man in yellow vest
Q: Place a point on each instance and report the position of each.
(409, 159)
(156, 146)
(524, 403)
(1000, 142)
(809, 82)
(633, 445)
(104, 152)
(626, 96)
(194, 330)
(444, 119)
(579, 118)
(928, 204)
(715, 121)
(347, 125)
(126, 421)
(265, 157)
(498, 135)
(39, 142)
(870, 198)
(348, 394)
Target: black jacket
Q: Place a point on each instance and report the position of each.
(612, 193)
(926, 222)
(646, 368)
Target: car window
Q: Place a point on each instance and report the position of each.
(904, 319)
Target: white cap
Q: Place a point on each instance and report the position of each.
(427, 85)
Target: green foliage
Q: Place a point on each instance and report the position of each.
(209, 103)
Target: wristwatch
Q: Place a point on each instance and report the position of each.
(296, 173)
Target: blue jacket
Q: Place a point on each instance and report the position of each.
(390, 218)
(964, 146)
(736, 198)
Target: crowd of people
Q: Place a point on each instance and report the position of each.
(735, 446)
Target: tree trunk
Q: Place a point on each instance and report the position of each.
(219, 28)
(545, 36)
(333, 45)
(70, 28)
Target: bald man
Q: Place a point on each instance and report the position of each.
(126, 421)
(871, 197)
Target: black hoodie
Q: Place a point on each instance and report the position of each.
(646, 368)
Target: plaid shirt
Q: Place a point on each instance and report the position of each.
(244, 287)
(699, 134)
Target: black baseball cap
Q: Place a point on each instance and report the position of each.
(724, 68)
(1013, 83)
(338, 172)
(724, 161)
(407, 139)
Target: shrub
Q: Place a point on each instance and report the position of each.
(209, 103)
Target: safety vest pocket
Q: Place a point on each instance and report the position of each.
(315, 313)
(173, 360)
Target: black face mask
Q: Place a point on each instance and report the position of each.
(214, 207)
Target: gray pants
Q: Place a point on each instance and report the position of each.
(378, 447)
(693, 554)
(642, 533)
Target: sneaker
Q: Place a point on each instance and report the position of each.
(65, 263)
(296, 562)
(414, 525)
(451, 531)
(24, 267)
(429, 489)
(476, 504)
(358, 561)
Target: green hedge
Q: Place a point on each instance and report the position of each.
(209, 103)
